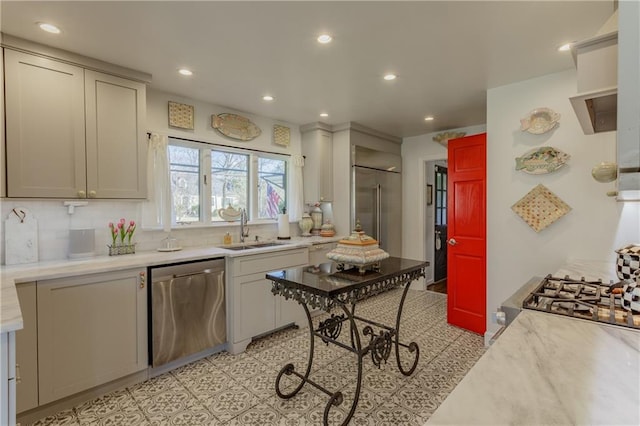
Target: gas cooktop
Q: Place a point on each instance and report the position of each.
(590, 300)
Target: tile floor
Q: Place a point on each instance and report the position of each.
(239, 390)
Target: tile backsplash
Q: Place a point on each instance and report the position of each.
(54, 223)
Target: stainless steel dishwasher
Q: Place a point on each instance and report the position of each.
(187, 309)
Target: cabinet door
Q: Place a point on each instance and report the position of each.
(254, 311)
(116, 148)
(3, 169)
(91, 330)
(317, 147)
(27, 350)
(44, 127)
(289, 311)
(7, 379)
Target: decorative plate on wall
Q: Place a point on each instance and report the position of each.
(540, 208)
(539, 161)
(443, 138)
(180, 115)
(281, 135)
(235, 126)
(540, 121)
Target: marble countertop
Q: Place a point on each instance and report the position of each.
(552, 370)
(10, 315)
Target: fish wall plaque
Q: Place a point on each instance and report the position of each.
(235, 126)
(539, 161)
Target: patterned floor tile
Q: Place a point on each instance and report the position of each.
(230, 402)
(225, 389)
(258, 415)
(166, 404)
(244, 368)
(390, 414)
(278, 356)
(418, 399)
(66, 417)
(155, 386)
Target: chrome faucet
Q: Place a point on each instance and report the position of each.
(244, 229)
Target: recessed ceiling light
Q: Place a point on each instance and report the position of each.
(268, 98)
(184, 71)
(565, 47)
(324, 114)
(324, 38)
(390, 77)
(428, 118)
(50, 28)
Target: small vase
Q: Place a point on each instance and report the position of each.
(316, 216)
(122, 248)
(305, 224)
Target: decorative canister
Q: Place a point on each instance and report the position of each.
(327, 230)
(358, 250)
(631, 294)
(316, 215)
(305, 224)
(628, 261)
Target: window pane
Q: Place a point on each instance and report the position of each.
(272, 187)
(184, 165)
(229, 182)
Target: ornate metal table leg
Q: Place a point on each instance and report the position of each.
(413, 346)
(337, 397)
(289, 368)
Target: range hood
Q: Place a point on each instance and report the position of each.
(595, 104)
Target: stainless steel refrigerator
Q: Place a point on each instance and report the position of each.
(377, 196)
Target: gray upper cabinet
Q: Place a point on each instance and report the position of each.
(44, 127)
(317, 148)
(71, 132)
(116, 152)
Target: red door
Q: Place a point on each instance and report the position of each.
(466, 219)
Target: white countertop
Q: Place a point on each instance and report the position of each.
(11, 318)
(552, 370)
(547, 369)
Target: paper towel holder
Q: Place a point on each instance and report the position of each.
(283, 225)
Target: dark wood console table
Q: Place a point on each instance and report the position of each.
(329, 288)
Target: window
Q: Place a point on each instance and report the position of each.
(272, 179)
(229, 182)
(204, 180)
(184, 166)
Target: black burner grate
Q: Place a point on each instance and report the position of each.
(591, 300)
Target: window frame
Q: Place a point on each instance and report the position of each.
(205, 181)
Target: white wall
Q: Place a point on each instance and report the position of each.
(54, 222)
(416, 151)
(597, 224)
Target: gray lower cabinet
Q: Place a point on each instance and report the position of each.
(92, 329)
(255, 310)
(27, 350)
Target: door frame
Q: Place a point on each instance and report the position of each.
(420, 227)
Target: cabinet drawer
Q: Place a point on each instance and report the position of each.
(270, 261)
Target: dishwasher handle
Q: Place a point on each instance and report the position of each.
(192, 274)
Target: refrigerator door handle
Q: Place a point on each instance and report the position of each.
(378, 213)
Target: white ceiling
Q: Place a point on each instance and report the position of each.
(446, 53)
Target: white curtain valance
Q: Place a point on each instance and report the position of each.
(296, 205)
(156, 211)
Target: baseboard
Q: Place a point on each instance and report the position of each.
(488, 338)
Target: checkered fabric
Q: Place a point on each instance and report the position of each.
(628, 261)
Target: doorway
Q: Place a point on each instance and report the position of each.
(436, 223)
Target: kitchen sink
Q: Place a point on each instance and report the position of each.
(251, 246)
